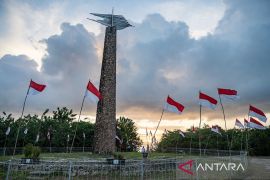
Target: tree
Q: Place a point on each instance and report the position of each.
(127, 132)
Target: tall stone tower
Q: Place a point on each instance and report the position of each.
(105, 130)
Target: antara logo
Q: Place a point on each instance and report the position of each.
(181, 166)
(210, 167)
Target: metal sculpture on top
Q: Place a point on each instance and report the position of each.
(112, 20)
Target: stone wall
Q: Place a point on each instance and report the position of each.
(105, 129)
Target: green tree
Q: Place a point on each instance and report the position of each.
(127, 132)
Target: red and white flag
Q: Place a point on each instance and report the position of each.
(35, 88)
(192, 129)
(246, 123)
(8, 131)
(228, 93)
(239, 124)
(92, 92)
(255, 112)
(207, 101)
(255, 124)
(181, 133)
(216, 129)
(173, 106)
(120, 141)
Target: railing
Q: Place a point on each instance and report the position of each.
(164, 169)
(205, 152)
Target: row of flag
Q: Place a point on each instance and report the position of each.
(204, 100)
(210, 102)
(91, 91)
(171, 105)
(37, 137)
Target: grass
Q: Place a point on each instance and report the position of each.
(89, 155)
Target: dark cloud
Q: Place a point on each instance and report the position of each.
(234, 56)
(69, 63)
(157, 58)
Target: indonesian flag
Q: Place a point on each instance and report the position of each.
(35, 88)
(228, 93)
(116, 137)
(25, 131)
(154, 140)
(165, 131)
(246, 123)
(207, 101)
(255, 112)
(255, 124)
(37, 138)
(7, 131)
(239, 124)
(49, 135)
(92, 92)
(216, 129)
(181, 133)
(192, 129)
(173, 106)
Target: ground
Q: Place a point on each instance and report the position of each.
(88, 155)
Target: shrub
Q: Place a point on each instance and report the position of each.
(31, 151)
(28, 150)
(36, 152)
(118, 156)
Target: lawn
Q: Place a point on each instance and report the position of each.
(89, 155)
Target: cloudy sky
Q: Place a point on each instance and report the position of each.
(177, 47)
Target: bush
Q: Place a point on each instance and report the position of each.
(118, 156)
(28, 150)
(36, 152)
(31, 151)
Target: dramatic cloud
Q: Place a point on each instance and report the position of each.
(156, 58)
(66, 68)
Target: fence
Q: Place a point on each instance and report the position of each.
(205, 152)
(132, 169)
(19, 150)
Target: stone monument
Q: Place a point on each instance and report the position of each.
(105, 129)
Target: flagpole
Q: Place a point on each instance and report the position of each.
(23, 140)
(18, 131)
(224, 120)
(78, 122)
(241, 139)
(217, 145)
(207, 142)
(83, 143)
(5, 146)
(247, 133)
(200, 129)
(190, 144)
(232, 141)
(158, 125)
(50, 144)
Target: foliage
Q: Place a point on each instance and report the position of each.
(127, 132)
(28, 150)
(61, 123)
(237, 138)
(31, 151)
(118, 156)
(36, 151)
